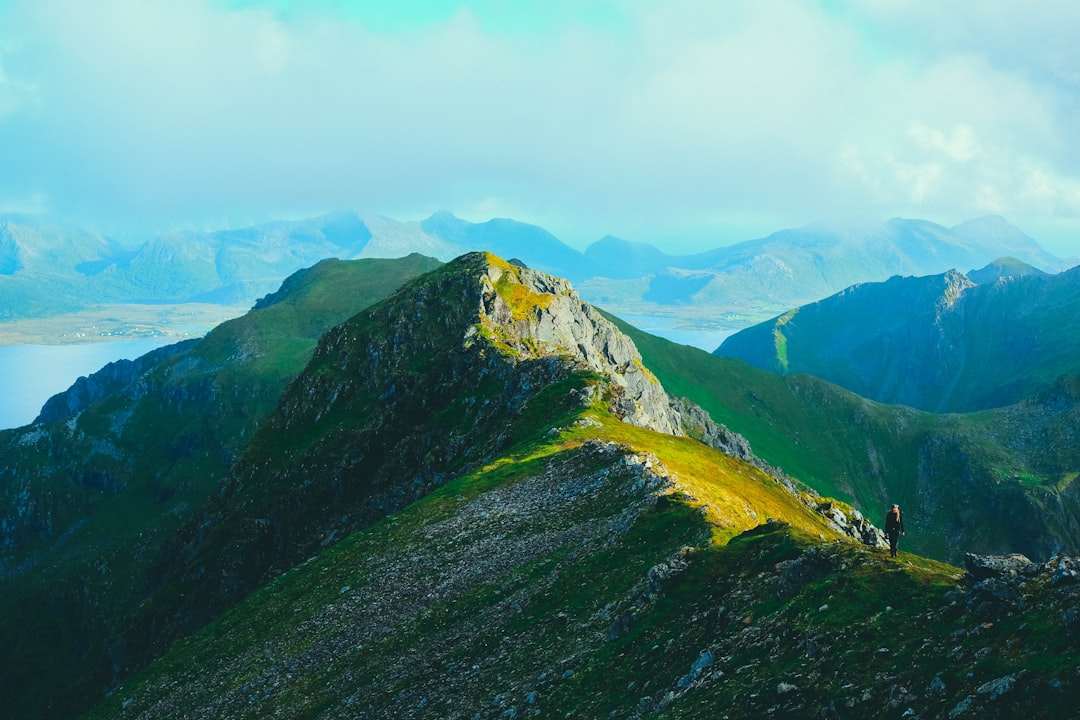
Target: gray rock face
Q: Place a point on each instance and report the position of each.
(553, 319)
(853, 524)
(557, 321)
(808, 566)
(698, 424)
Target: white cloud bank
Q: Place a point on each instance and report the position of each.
(691, 121)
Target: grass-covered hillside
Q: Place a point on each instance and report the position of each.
(595, 569)
(438, 379)
(999, 480)
(89, 499)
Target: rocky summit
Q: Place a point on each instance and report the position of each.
(476, 500)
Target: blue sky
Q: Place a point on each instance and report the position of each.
(685, 123)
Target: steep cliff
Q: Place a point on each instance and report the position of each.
(113, 378)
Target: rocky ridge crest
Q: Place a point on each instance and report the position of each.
(559, 322)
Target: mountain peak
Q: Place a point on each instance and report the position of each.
(443, 376)
(986, 222)
(1005, 267)
(443, 216)
(614, 257)
(536, 314)
(996, 230)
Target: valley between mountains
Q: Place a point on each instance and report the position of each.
(406, 489)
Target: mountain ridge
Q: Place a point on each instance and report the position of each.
(993, 481)
(442, 378)
(475, 495)
(941, 343)
(519, 530)
(330, 460)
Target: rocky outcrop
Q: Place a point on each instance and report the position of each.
(411, 393)
(999, 585)
(539, 314)
(983, 567)
(698, 424)
(851, 523)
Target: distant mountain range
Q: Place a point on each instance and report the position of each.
(945, 343)
(817, 260)
(48, 269)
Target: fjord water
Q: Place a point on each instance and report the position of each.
(31, 374)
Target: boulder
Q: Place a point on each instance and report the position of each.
(984, 567)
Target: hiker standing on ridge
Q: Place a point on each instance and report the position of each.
(894, 528)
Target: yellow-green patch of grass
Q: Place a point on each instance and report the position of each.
(1066, 480)
(521, 299)
(780, 339)
(734, 495)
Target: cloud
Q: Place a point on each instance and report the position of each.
(28, 205)
(959, 144)
(675, 119)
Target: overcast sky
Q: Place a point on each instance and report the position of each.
(685, 123)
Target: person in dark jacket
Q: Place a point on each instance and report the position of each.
(894, 528)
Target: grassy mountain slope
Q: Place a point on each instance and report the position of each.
(582, 566)
(475, 365)
(1003, 267)
(939, 343)
(96, 493)
(522, 580)
(596, 569)
(995, 481)
(395, 402)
